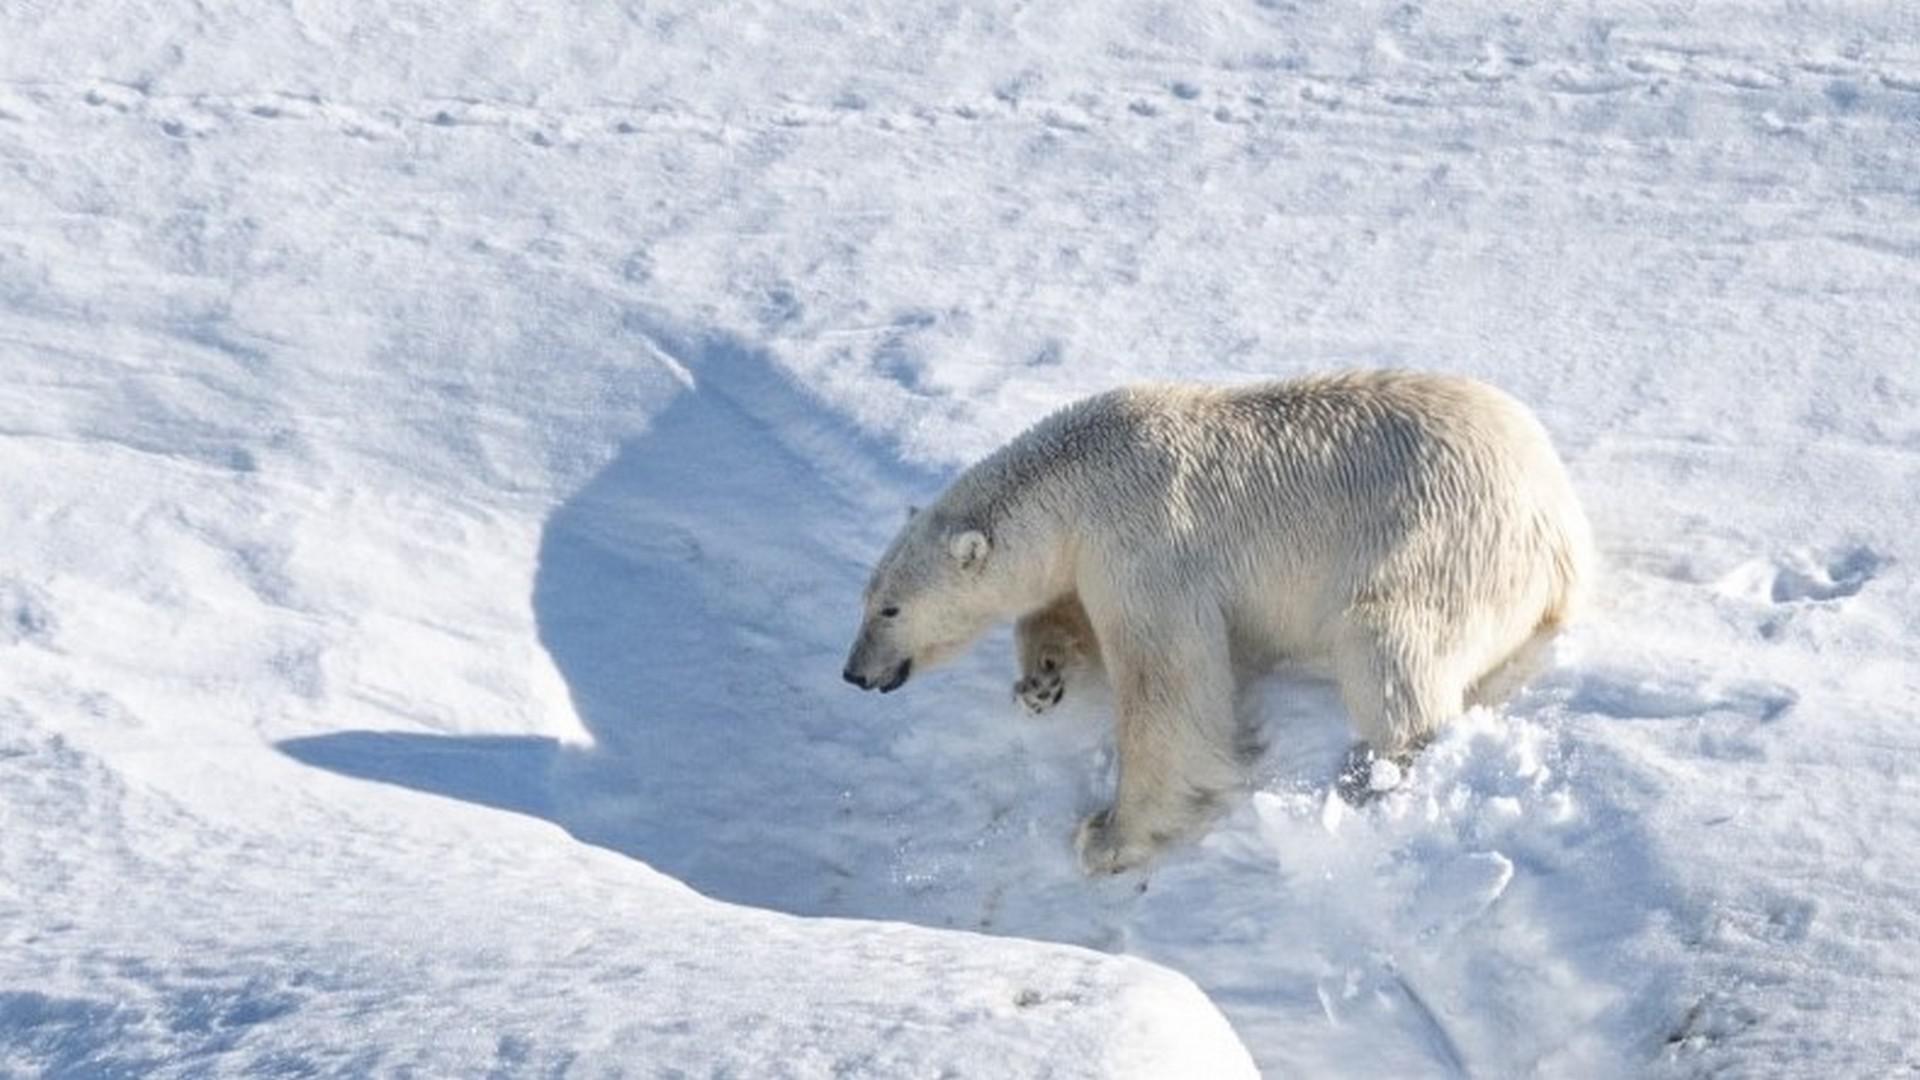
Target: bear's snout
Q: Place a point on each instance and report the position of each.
(862, 672)
(888, 685)
(899, 677)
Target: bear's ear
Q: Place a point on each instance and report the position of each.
(969, 548)
(912, 512)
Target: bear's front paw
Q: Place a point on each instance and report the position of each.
(1105, 849)
(1039, 692)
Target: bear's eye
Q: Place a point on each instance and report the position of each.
(889, 612)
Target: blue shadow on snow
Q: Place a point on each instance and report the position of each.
(680, 596)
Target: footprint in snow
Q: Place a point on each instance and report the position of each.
(26, 615)
(1805, 576)
(1653, 699)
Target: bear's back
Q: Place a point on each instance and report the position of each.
(1334, 484)
(1347, 439)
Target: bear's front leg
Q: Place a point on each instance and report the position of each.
(1174, 734)
(1049, 643)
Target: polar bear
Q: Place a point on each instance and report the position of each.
(1414, 536)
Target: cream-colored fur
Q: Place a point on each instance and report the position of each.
(1413, 535)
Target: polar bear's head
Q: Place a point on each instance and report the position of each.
(934, 591)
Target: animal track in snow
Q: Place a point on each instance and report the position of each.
(26, 615)
(1647, 699)
(1259, 93)
(1805, 576)
(1831, 578)
(1723, 722)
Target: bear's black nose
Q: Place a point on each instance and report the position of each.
(857, 680)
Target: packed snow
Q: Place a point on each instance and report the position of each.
(442, 445)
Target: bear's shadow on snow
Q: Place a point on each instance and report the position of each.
(697, 596)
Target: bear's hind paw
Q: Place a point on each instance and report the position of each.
(1365, 776)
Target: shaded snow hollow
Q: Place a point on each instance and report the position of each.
(441, 446)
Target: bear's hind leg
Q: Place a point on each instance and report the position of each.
(1049, 643)
(1175, 736)
(1394, 689)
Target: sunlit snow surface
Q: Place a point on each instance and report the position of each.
(441, 446)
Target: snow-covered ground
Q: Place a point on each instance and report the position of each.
(441, 446)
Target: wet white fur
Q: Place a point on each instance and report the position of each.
(1407, 533)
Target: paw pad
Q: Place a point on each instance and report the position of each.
(1038, 693)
